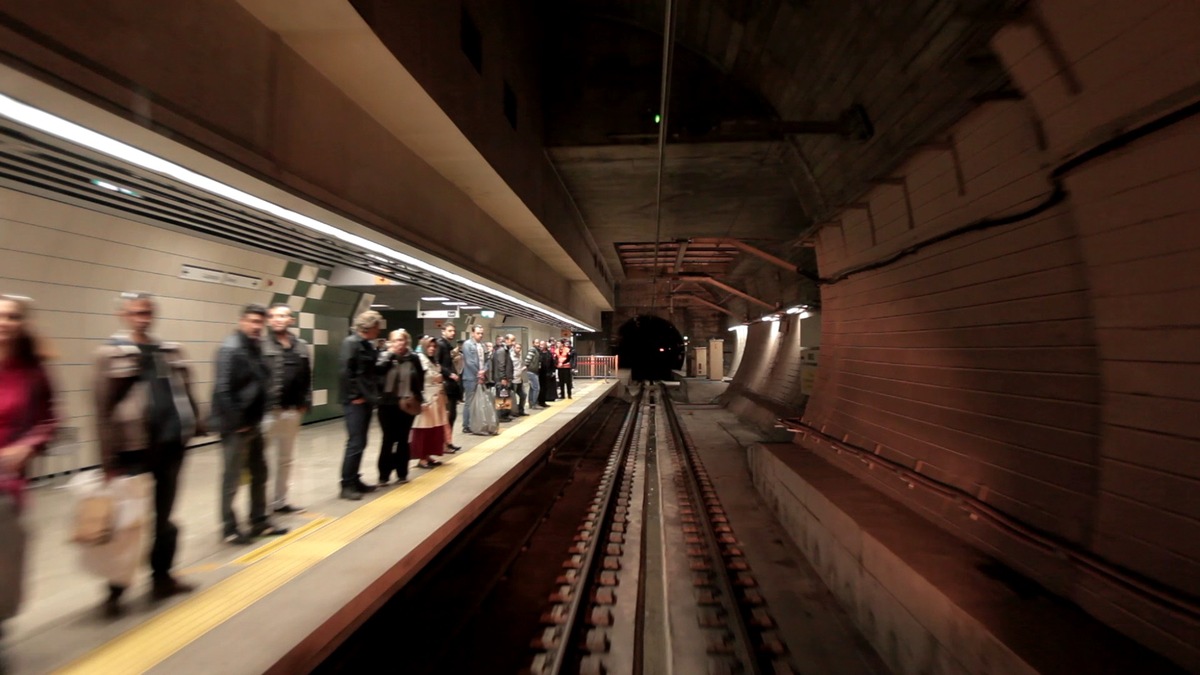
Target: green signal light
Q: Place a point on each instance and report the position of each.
(658, 119)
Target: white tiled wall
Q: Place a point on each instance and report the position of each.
(73, 263)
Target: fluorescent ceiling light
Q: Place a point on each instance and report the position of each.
(771, 317)
(454, 304)
(470, 307)
(377, 306)
(57, 126)
(434, 299)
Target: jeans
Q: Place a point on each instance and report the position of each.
(242, 449)
(469, 389)
(453, 391)
(282, 428)
(393, 454)
(358, 421)
(532, 379)
(165, 468)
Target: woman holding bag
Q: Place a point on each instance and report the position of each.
(432, 426)
(27, 423)
(403, 382)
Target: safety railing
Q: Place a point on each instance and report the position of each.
(595, 367)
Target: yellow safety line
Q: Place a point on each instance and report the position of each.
(298, 533)
(150, 643)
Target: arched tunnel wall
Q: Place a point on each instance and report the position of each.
(1049, 368)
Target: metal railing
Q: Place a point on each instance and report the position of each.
(595, 367)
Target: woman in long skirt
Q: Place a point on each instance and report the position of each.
(430, 426)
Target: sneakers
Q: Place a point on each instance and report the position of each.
(169, 586)
(348, 492)
(288, 508)
(237, 538)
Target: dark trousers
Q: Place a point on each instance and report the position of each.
(393, 453)
(519, 395)
(358, 421)
(546, 393)
(453, 396)
(564, 382)
(165, 467)
(244, 449)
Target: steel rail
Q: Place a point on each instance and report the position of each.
(569, 640)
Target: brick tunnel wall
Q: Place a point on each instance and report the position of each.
(1050, 368)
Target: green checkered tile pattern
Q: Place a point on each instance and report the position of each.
(323, 316)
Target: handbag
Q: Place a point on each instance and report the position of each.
(410, 405)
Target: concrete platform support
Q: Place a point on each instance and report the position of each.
(926, 601)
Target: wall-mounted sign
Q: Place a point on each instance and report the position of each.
(437, 313)
(218, 277)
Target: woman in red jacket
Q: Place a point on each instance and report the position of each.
(26, 425)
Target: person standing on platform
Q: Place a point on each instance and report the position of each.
(533, 363)
(289, 398)
(475, 371)
(502, 376)
(518, 381)
(452, 380)
(145, 417)
(27, 424)
(430, 430)
(239, 407)
(360, 389)
(565, 361)
(548, 370)
(401, 373)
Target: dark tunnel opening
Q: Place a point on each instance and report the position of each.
(650, 347)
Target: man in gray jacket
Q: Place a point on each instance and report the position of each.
(475, 370)
(289, 397)
(502, 374)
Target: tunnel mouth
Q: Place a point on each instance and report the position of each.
(651, 347)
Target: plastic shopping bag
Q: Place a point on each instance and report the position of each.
(114, 557)
(483, 411)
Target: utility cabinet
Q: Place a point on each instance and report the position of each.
(698, 364)
(716, 359)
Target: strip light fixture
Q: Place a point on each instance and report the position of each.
(70, 131)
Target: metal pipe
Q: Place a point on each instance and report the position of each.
(747, 248)
(726, 287)
(664, 109)
(706, 303)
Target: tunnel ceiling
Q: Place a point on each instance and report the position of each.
(741, 67)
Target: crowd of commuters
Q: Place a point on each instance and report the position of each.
(146, 414)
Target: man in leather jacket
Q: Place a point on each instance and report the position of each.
(450, 376)
(361, 386)
(240, 392)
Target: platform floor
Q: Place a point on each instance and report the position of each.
(60, 624)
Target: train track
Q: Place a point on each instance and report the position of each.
(655, 580)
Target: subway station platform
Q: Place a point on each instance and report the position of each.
(281, 604)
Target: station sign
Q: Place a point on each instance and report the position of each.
(450, 313)
(212, 276)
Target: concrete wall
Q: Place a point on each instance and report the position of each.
(74, 262)
(1046, 367)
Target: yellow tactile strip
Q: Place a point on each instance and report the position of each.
(271, 566)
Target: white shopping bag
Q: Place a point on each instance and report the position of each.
(117, 559)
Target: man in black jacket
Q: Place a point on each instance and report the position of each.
(548, 371)
(450, 377)
(239, 404)
(501, 373)
(361, 386)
